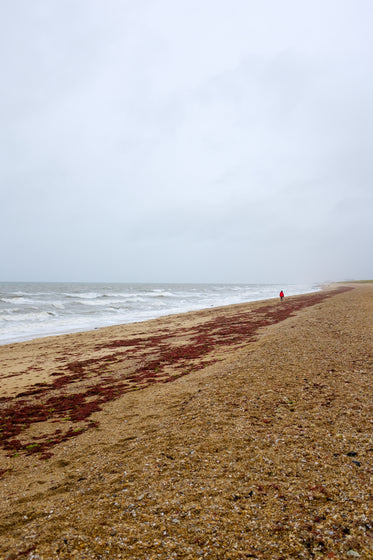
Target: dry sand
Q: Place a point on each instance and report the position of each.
(231, 433)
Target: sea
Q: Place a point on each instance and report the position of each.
(37, 309)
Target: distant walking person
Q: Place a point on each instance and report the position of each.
(281, 295)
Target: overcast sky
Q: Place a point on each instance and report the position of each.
(186, 140)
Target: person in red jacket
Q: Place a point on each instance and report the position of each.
(281, 295)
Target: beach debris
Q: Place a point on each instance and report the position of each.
(82, 386)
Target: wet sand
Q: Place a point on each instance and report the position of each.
(236, 432)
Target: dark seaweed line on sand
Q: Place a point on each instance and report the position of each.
(19, 414)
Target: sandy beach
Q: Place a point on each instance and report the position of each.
(229, 433)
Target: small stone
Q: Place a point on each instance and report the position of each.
(353, 554)
(357, 463)
(113, 532)
(351, 454)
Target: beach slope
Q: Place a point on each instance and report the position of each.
(229, 433)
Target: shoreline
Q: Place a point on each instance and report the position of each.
(102, 322)
(17, 354)
(250, 453)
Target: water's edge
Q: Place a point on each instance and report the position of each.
(35, 310)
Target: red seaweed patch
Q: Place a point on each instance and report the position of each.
(84, 386)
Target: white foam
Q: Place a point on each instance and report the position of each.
(89, 295)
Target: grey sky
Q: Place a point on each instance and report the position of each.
(174, 140)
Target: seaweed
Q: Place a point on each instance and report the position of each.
(84, 386)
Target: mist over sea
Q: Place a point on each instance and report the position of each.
(31, 310)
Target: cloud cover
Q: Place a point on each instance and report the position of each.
(185, 141)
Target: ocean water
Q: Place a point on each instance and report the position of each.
(30, 310)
